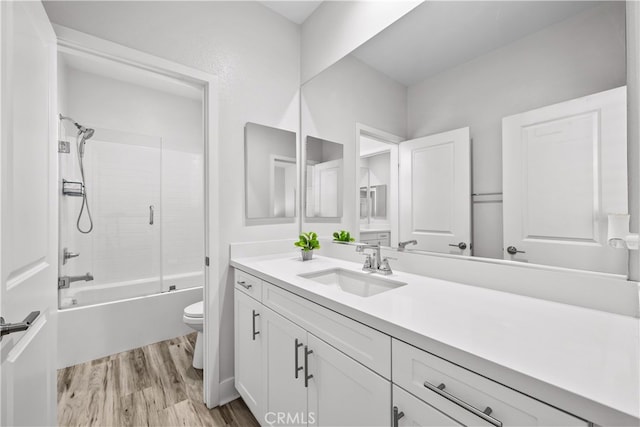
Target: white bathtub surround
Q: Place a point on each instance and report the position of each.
(95, 331)
(582, 361)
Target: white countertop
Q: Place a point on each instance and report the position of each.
(375, 230)
(583, 361)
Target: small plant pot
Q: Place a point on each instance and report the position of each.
(306, 255)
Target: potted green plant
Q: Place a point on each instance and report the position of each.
(343, 236)
(307, 243)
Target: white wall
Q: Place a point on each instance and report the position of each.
(574, 58)
(255, 54)
(347, 93)
(338, 27)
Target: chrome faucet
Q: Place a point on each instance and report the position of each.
(65, 281)
(370, 264)
(373, 263)
(403, 245)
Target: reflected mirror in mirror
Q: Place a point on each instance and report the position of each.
(270, 174)
(538, 89)
(324, 179)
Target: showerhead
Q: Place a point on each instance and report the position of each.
(86, 133)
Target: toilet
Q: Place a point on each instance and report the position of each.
(193, 317)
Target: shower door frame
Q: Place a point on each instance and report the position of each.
(81, 44)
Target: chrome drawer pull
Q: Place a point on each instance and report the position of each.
(482, 414)
(307, 377)
(396, 416)
(254, 324)
(244, 284)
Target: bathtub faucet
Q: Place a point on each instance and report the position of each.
(65, 281)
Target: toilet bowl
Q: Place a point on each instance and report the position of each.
(193, 317)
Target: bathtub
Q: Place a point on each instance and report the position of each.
(91, 329)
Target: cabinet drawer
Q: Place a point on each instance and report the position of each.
(414, 370)
(364, 344)
(248, 284)
(417, 413)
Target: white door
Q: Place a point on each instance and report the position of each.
(343, 392)
(435, 192)
(411, 411)
(285, 395)
(564, 171)
(28, 214)
(248, 351)
(328, 189)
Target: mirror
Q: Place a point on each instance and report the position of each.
(324, 180)
(491, 153)
(270, 174)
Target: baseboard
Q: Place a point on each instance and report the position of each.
(228, 391)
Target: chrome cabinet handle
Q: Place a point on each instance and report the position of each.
(462, 245)
(10, 328)
(254, 324)
(297, 346)
(513, 250)
(485, 415)
(307, 377)
(396, 416)
(244, 284)
(151, 214)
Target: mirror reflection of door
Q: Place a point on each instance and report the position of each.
(378, 180)
(435, 192)
(565, 170)
(324, 178)
(283, 187)
(270, 175)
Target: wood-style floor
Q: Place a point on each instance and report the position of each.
(149, 386)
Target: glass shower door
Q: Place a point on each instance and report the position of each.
(123, 251)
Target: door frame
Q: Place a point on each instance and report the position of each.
(392, 140)
(83, 44)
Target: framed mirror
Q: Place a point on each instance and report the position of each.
(324, 173)
(509, 121)
(270, 174)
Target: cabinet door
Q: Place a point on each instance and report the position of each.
(412, 411)
(343, 392)
(284, 392)
(248, 351)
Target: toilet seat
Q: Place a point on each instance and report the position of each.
(194, 311)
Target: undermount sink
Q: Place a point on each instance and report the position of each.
(353, 282)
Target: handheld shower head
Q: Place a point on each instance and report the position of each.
(87, 133)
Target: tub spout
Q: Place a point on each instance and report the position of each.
(65, 281)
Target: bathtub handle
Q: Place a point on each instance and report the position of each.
(151, 214)
(243, 284)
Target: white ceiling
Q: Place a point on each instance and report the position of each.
(438, 35)
(295, 11)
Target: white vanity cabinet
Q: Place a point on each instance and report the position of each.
(296, 378)
(382, 238)
(248, 339)
(299, 363)
(467, 397)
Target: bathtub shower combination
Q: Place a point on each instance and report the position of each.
(131, 218)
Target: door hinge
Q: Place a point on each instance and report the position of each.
(206, 261)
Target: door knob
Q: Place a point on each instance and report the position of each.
(9, 328)
(513, 250)
(462, 245)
